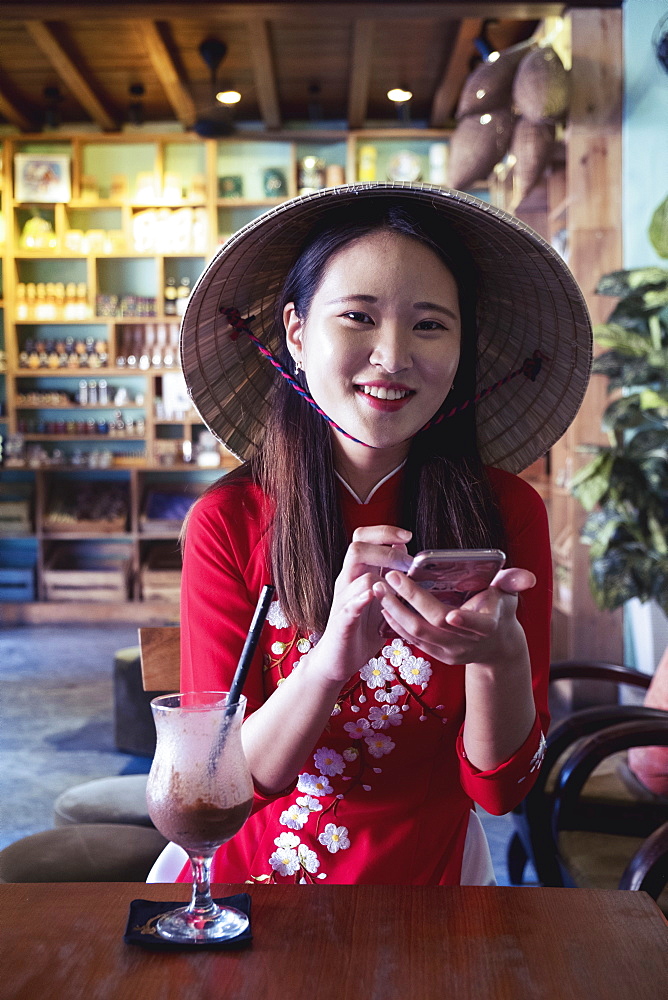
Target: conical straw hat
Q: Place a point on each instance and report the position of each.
(527, 300)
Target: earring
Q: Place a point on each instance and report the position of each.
(298, 367)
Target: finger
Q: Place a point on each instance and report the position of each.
(381, 557)
(382, 534)
(514, 580)
(420, 599)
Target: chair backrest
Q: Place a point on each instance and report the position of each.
(160, 651)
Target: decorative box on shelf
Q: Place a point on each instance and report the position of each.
(17, 583)
(164, 510)
(90, 508)
(99, 572)
(15, 509)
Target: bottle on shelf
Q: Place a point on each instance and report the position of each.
(158, 351)
(70, 303)
(146, 351)
(41, 308)
(182, 294)
(53, 359)
(103, 392)
(82, 301)
(170, 297)
(82, 395)
(21, 301)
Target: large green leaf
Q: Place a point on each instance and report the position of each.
(620, 283)
(591, 482)
(658, 229)
(624, 341)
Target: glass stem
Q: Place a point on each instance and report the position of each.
(201, 904)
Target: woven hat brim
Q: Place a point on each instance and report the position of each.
(527, 300)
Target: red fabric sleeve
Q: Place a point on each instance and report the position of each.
(224, 569)
(217, 596)
(528, 541)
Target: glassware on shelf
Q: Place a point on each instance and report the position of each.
(182, 295)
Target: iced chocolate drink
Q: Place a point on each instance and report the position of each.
(199, 794)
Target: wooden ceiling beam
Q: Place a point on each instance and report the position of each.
(9, 111)
(445, 99)
(360, 72)
(70, 75)
(264, 72)
(177, 92)
(226, 13)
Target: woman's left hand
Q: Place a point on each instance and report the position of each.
(483, 630)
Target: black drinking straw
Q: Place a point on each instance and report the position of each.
(241, 672)
(250, 644)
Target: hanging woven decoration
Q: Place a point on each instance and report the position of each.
(531, 147)
(541, 88)
(510, 105)
(479, 141)
(490, 85)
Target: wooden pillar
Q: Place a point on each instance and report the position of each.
(594, 178)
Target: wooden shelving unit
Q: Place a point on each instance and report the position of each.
(115, 181)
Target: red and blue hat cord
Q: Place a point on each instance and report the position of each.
(530, 368)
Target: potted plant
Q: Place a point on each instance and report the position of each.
(624, 487)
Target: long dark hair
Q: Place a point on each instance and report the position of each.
(447, 501)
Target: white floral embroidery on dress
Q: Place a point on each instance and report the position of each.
(313, 784)
(415, 670)
(294, 816)
(334, 838)
(379, 744)
(308, 859)
(286, 840)
(276, 617)
(537, 758)
(396, 652)
(358, 729)
(309, 802)
(392, 696)
(284, 861)
(383, 718)
(376, 672)
(329, 762)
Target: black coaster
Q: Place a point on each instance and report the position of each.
(141, 930)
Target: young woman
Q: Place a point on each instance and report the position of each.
(376, 716)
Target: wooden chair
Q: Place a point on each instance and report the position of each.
(585, 816)
(160, 651)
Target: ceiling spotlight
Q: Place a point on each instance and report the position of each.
(399, 95)
(228, 96)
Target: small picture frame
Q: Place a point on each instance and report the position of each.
(231, 186)
(44, 178)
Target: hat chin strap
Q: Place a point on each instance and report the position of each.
(530, 368)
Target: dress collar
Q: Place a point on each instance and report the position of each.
(374, 490)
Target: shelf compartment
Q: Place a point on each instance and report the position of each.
(17, 583)
(87, 507)
(160, 575)
(88, 571)
(164, 509)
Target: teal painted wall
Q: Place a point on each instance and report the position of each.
(645, 130)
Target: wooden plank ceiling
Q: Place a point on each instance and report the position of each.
(329, 62)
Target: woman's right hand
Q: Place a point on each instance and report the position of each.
(352, 633)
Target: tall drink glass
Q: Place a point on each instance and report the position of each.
(199, 795)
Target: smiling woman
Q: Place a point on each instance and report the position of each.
(381, 357)
(416, 340)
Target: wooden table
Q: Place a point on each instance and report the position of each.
(64, 940)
